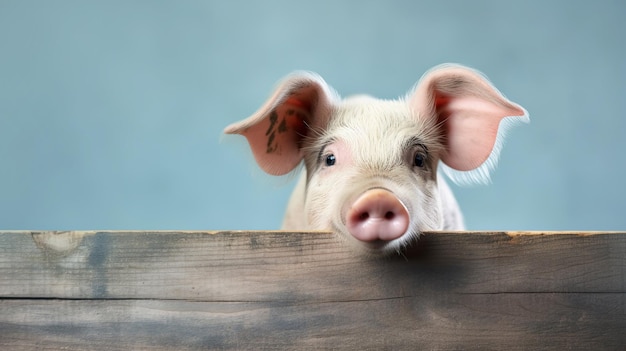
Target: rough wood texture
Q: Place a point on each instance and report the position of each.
(278, 290)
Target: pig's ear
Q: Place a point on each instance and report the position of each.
(302, 102)
(473, 116)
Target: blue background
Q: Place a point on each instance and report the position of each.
(111, 112)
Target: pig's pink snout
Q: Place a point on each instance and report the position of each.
(377, 214)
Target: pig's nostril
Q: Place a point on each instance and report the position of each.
(364, 216)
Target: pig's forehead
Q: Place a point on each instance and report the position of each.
(364, 105)
(367, 119)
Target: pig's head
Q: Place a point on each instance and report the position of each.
(372, 164)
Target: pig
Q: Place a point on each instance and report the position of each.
(371, 166)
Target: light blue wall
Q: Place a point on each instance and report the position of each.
(111, 111)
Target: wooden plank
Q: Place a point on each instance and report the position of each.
(266, 290)
(505, 321)
(233, 266)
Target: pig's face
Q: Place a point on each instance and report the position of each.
(372, 164)
(372, 174)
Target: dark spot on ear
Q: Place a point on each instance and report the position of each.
(273, 120)
(271, 133)
(282, 127)
(270, 140)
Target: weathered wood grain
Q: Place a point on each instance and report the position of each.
(269, 290)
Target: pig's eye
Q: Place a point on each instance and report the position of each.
(330, 160)
(420, 160)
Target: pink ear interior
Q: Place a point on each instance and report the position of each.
(471, 128)
(469, 111)
(275, 132)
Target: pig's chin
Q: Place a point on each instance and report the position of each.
(382, 247)
(377, 247)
